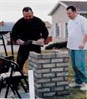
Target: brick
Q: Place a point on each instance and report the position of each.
(43, 71)
(48, 84)
(35, 55)
(43, 61)
(34, 60)
(57, 88)
(60, 74)
(38, 85)
(56, 60)
(63, 74)
(48, 65)
(49, 75)
(37, 66)
(57, 79)
(59, 55)
(49, 94)
(63, 93)
(66, 69)
(31, 63)
(44, 90)
(62, 83)
(38, 75)
(48, 55)
(62, 64)
(38, 95)
(43, 80)
(67, 87)
(57, 69)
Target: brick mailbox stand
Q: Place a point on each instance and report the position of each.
(50, 73)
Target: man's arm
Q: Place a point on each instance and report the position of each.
(83, 42)
(84, 28)
(44, 33)
(85, 38)
(15, 34)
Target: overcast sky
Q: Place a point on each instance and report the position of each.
(10, 10)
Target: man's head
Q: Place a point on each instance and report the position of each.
(71, 12)
(27, 13)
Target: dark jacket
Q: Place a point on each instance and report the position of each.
(33, 29)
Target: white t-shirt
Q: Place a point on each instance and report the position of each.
(76, 30)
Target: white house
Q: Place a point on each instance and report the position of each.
(60, 19)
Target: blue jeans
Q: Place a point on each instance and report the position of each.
(78, 60)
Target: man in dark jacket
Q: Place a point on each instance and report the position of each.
(28, 28)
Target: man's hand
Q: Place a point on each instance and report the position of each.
(20, 42)
(81, 46)
(40, 41)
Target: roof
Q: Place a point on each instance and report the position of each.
(80, 5)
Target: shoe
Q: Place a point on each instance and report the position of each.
(73, 85)
(84, 87)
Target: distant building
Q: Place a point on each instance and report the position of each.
(60, 19)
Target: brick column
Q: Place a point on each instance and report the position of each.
(50, 73)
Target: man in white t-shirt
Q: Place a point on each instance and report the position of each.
(77, 44)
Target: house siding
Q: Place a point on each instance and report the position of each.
(60, 16)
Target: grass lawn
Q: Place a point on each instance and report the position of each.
(75, 92)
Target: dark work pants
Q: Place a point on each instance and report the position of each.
(23, 53)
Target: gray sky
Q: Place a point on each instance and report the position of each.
(10, 10)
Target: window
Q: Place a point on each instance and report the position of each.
(57, 29)
(66, 30)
